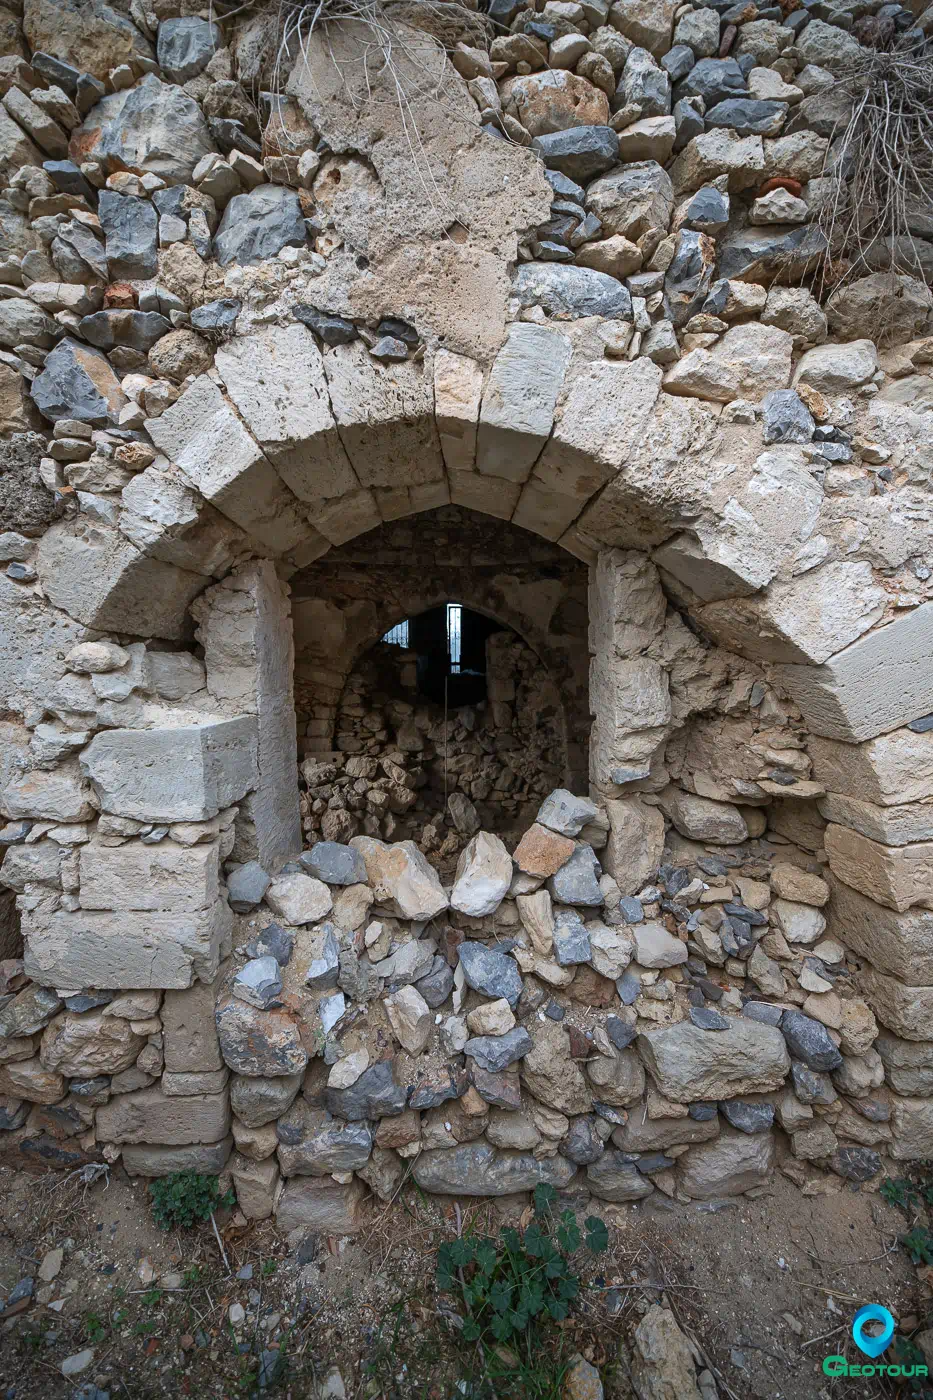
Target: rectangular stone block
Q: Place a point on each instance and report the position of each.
(458, 387)
(203, 436)
(385, 414)
(184, 1086)
(275, 378)
(189, 1030)
(900, 944)
(890, 769)
(186, 774)
(912, 1121)
(256, 1185)
(146, 1159)
(897, 876)
(320, 1206)
(908, 1064)
(892, 826)
(161, 877)
(90, 948)
(908, 1011)
(148, 1115)
(521, 392)
(879, 683)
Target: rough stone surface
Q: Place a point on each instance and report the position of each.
(688, 1063)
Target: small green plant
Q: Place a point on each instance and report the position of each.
(95, 1328)
(183, 1198)
(899, 1191)
(919, 1244)
(269, 1267)
(510, 1287)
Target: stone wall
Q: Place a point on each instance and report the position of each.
(238, 333)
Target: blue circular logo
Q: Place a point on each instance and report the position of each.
(872, 1312)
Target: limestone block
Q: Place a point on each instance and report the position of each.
(896, 876)
(82, 1045)
(458, 388)
(891, 769)
(275, 379)
(906, 1010)
(85, 948)
(189, 1030)
(908, 1064)
(632, 706)
(912, 1122)
(879, 683)
(186, 1086)
(702, 819)
(149, 1160)
(733, 1163)
(318, 1205)
(59, 795)
(687, 1063)
(479, 1169)
(802, 620)
(205, 439)
(892, 826)
(636, 841)
(168, 521)
(149, 1115)
(137, 876)
(34, 637)
(175, 775)
(491, 495)
(517, 410)
(256, 1184)
(900, 944)
(95, 575)
(604, 413)
(385, 414)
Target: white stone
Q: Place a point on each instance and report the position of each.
(484, 873)
(299, 899)
(799, 923)
(518, 404)
(410, 1017)
(186, 774)
(655, 947)
(836, 369)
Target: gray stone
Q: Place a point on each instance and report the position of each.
(690, 275)
(577, 881)
(259, 225)
(764, 1012)
(330, 1011)
(632, 199)
(153, 127)
(785, 417)
(437, 1087)
(29, 1012)
(677, 62)
(13, 1113)
(614, 1178)
(312, 1204)
(479, 1169)
(855, 1163)
(131, 226)
(374, 1095)
(331, 1148)
(78, 382)
(583, 1144)
(137, 330)
(259, 983)
(258, 1042)
(216, 317)
(571, 291)
(494, 1053)
(810, 1086)
(438, 984)
(257, 1099)
(488, 971)
(748, 1117)
(580, 152)
(708, 210)
(333, 330)
(809, 1040)
(747, 116)
(715, 80)
(629, 988)
(409, 963)
(334, 863)
(645, 85)
(620, 1032)
(687, 121)
(687, 1063)
(757, 254)
(246, 886)
(185, 47)
(631, 909)
(709, 1020)
(571, 940)
(566, 814)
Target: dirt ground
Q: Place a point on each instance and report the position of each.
(765, 1288)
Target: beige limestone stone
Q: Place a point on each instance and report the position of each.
(906, 1010)
(663, 1366)
(897, 876)
(687, 1063)
(517, 409)
(891, 769)
(320, 1206)
(484, 873)
(891, 826)
(137, 876)
(410, 1018)
(256, 1183)
(255, 1143)
(537, 916)
(82, 1045)
(492, 1018)
(401, 879)
(148, 1115)
(617, 256)
(719, 152)
(189, 1030)
(732, 1163)
(636, 840)
(647, 23)
(899, 944)
(701, 819)
(554, 100)
(32, 1081)
(458, 388)
(912, 1124)
(549, 1074)
(299, 899)
(790, 882)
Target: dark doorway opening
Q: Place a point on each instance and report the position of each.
(449, 644)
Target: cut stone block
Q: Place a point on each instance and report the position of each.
(173, 1122)
(458, 388)
(148, 1160)
(189, 1030)
(137, 876)
(879, 683)
(896, 876)
(316, 1205)
(186, 774)
(86, 948)
(900, 944)
(203, 436)
(906, 1010)
(891, 826)
(518, 404)
(888, 770)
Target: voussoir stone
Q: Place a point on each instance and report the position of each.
(688, 1063)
